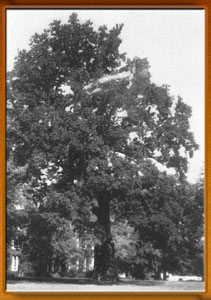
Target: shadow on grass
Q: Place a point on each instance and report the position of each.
(87, 281)
(50, 279)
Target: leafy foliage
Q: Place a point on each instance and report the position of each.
(86, 157)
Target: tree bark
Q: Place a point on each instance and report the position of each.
(63, 269)
(105, 268)
(164, 275)
(42, 269)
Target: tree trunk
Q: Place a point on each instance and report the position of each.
(157, 275)
(63, 269)
(41, 270)
(164, 275)
(105, 268)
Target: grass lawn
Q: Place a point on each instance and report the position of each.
(123, 286)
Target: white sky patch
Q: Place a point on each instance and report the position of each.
(182, 151)
(140, 96)
(157, 153)
(163, 168)
(171, 153)
(148, 134)
(140, 173)
(122, 155)
(66, 89)
(44, 172)
(69, 108)
(120, 114)
(172, 108)
(48, 182)
(133, 135)
(19, 207)
(154, 110)
(110, 165)
(9, 104)
(53, 178)
(129, 84)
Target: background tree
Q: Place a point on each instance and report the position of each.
(170, 236)
(92, 147)
(125, 241)
(193, 226)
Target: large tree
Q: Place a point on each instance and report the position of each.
(90, 123)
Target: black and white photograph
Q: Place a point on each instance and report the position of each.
(105, 150)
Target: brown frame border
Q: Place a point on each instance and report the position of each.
(206, 4)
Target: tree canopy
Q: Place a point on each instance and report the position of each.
(90, 156)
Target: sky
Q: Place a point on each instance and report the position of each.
(172, 40)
